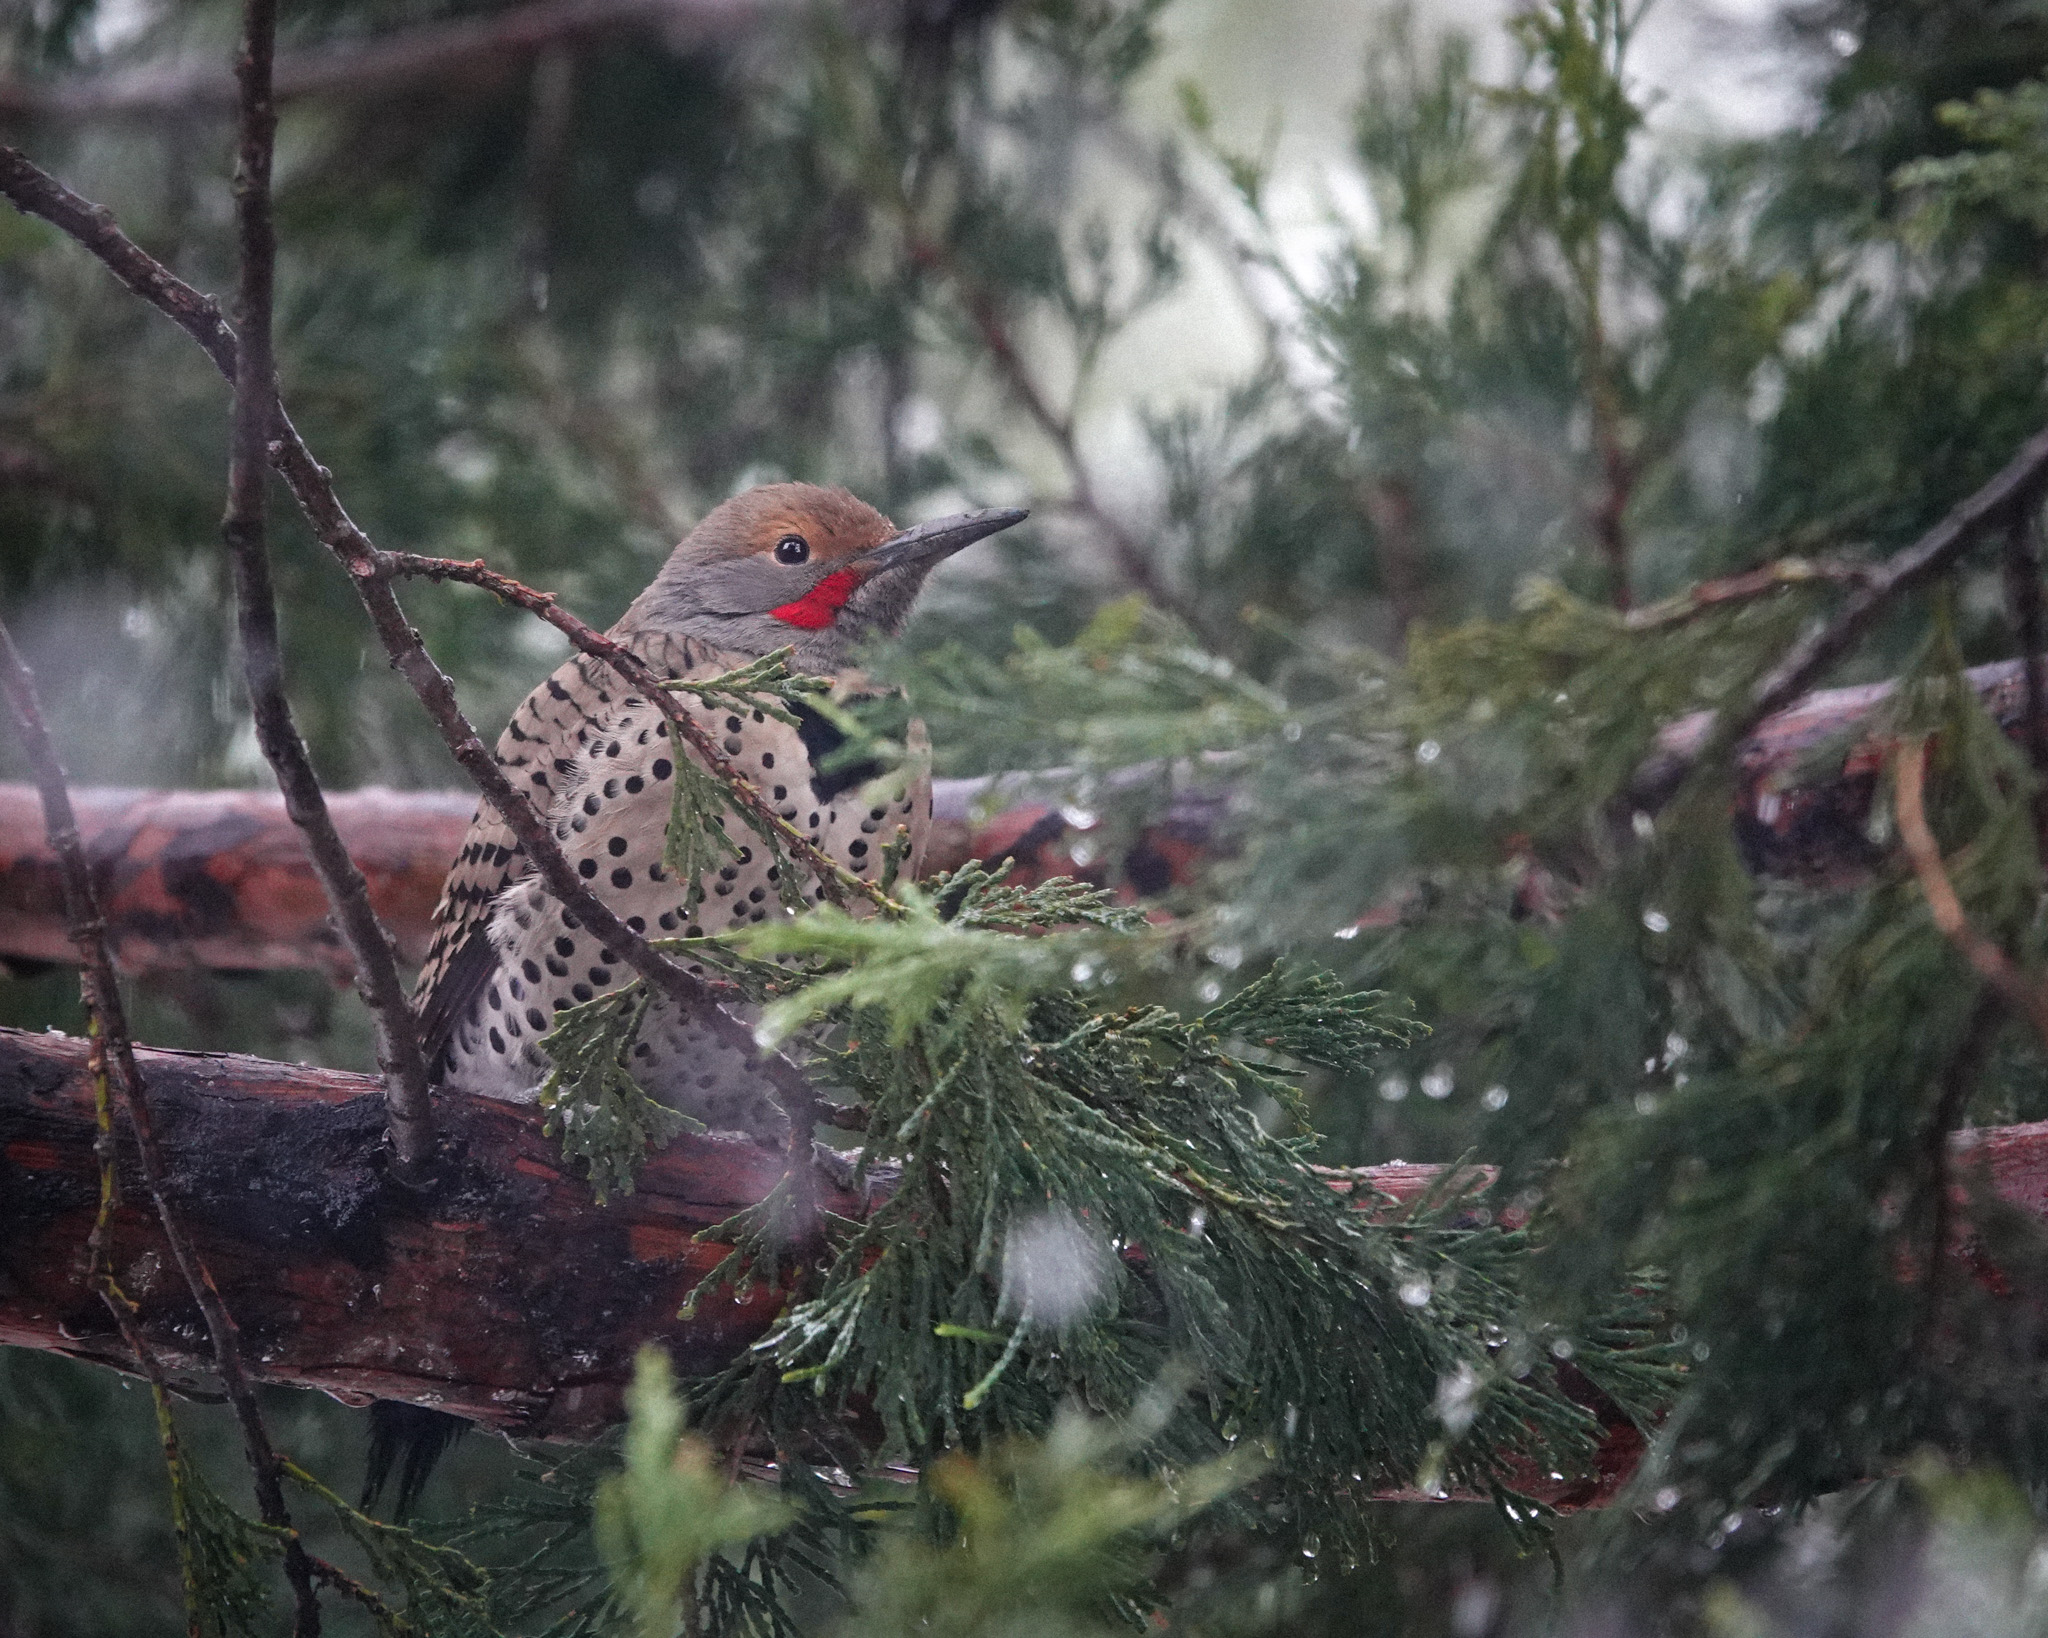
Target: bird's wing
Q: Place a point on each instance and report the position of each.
(540, 750)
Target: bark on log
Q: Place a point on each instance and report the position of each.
(502, 1292)
(218, 878)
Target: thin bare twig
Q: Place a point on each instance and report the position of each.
(1992, 964)
(433, 54)
(36, 192)
(1742, 587)
(2023, 592)
(88, 930)
(408, 1105)
(1133, 562)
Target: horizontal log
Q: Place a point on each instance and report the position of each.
(502, 1292)
(218, 878)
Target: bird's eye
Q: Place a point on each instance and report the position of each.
(792, 549)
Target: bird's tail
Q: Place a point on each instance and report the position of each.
(410, 1439)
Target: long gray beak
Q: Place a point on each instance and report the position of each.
(929, 542)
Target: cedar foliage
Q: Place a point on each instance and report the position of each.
(1563, 365)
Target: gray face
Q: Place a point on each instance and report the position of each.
(732, 602)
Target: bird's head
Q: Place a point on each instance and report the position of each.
(794, 563)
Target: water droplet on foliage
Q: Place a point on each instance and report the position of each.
(1457, 1399)
(1053, 1267)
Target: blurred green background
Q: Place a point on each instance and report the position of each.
(1385, 355)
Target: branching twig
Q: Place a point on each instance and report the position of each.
(1992, 964)
(33, 190)
(88, 931)
(243, 528)
(2005, 497)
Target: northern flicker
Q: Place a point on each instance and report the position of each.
(784, 564)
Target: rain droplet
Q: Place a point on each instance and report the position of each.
(1439, 1082)
(1646, 1103)
(1562, 1348)
(1394, 1088)
(1428, 751)
(1227, 956)
(1209, 990)
(1494, 1097)
(1083, 971)
(1346, 932)
(1416, 1292)
(1082, 853)
(1675, 1047)
(1079, 818)
(1656, 921)
(1668, 1498)
(1291, 732)
(1643, 825)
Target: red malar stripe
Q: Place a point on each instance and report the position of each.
(817, 607)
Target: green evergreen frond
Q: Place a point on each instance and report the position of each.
(445, 1594)
(594, 1106)
(669, 1508)
(232, 1559)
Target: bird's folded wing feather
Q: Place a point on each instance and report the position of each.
(540, 749)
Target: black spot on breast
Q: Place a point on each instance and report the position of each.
(497, 1042)
(635, 785)
(587, 869)
(616, 846)
(663, 768)
(600, 975)
(518, 989)
(558, 966)
(582, 992)
(591, 804)
(622, 877)
(732, 725)
(536, 1019)
(666, 921)
(492, 996)
(556, 690)
(565, 947)
(637, 923)
(532, 971)
(858, 849)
